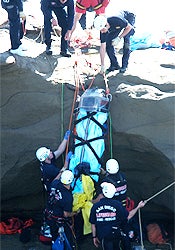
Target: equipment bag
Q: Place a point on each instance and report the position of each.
(58, 244)
(156, 234)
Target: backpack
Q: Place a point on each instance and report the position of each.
(156, 233)
(14, 225)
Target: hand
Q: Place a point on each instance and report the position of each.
(67, 134)
(96, 242)
(67, 35)
(69, 155)
(116, 41)
(22, 15)
(141, 204)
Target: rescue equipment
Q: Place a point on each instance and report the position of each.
(90, 129)
(14, 225)
(156, 234)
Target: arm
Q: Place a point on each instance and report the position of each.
(62, 146)
(94, 236)
(125, 31)
(70, 13)
(65, 165)
(134, 211)
(69, 214)
(102, 53)
(77, 17)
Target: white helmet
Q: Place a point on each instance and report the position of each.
(112, 166)
(67, 177)
(108, 189)
(42, 153)
(100, 22)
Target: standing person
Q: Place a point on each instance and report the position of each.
(16, 19)
(108, 219)
(47, 160)
(82, 6)
(65, 17)
(117, 178)
(112, 30)
(59, 206)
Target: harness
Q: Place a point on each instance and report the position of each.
(90, 115)
(91, 8)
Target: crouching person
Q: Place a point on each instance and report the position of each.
(108, 218)
(59, 207)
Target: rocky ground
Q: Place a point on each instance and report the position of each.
(152, 65)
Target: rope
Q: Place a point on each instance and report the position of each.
(74, 100)
(23, 27)
(140, 226)
(40, 35)
(62, 110)
(110, 136)
(159, 192)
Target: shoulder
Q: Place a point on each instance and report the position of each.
(55, 184)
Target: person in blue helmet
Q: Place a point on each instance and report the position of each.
(47, 160)
(112, 30)
(16, 19)
(64, 11)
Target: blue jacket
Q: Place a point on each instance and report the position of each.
(6, 4)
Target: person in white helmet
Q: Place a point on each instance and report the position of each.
(116, 177)
(47, 160)
(108, 218)
(112, 30)
(108, 191)
(58, 210)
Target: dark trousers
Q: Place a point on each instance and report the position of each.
(111, 52)
(16, 28)
(82, 21)
(62, 22)
(108, 244)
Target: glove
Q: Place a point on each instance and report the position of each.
(69, 155)
(67, 134)
(116, 41)
(22, 15)
(102, 70)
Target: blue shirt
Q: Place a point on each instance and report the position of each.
(17, 3)
(49, 172)
(60, 199)
(117, 24)
(105, 214)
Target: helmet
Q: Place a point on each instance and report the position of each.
(100, 22)
(108, 189)
(67, 177)
(112, 166)
(42, 153)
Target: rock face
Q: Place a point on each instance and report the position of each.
(36, 106)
